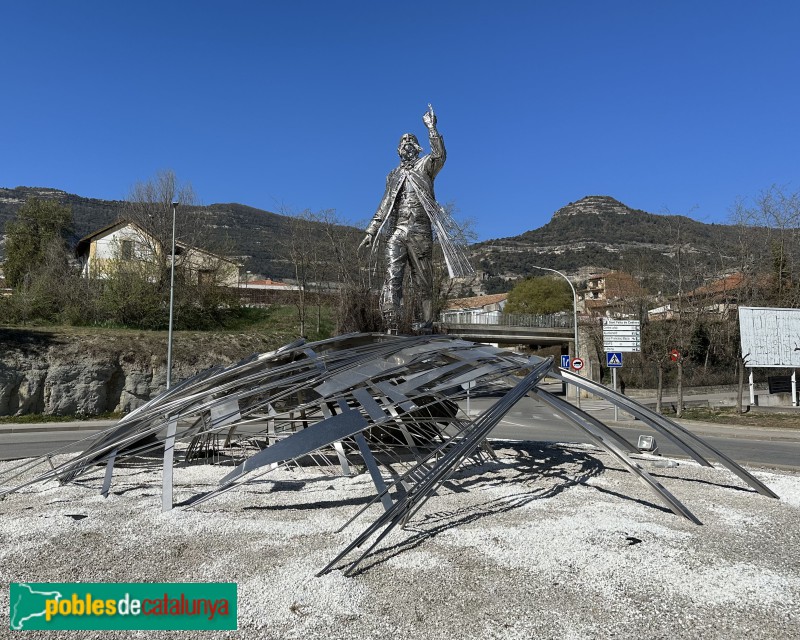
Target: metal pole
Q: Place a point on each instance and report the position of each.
(574, 320)
(752, 388)
(794, 387)
(171, 298)
(614, 383)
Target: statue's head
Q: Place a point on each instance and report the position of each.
(408, 148)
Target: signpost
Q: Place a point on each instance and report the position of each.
(622, 335)
(614, 362)
(619, 336)
(565, 362)
(577, 364)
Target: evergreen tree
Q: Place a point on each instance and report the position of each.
(38, 235)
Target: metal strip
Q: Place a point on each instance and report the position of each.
(370, 405)
(372, 466)
(343, 462)
(169, 454)
(303, 442)
(109, 473)
(416, 381)
(391, 392)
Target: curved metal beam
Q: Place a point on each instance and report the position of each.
(664, 426)
(568, 411)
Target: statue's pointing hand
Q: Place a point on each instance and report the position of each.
(429, 118)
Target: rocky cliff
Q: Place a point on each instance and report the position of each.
(94, 372)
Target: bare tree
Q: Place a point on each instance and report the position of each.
(149, 206)
(200, 270)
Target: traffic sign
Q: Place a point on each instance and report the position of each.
(614, 359)
(565, 362)
(577, 364)
(674, 355)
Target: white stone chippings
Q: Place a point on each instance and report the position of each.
(784, 486)
(549, 542)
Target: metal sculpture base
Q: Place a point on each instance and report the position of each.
(372, 400)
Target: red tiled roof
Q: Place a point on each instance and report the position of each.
(728, 283)
(274, 283)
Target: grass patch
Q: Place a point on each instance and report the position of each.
(282, 317)
(751, 418)
(35, 418)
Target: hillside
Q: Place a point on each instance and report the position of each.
(598, 233)
(593, 234)
(251, 233)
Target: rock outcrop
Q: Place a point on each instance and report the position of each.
(95, 372)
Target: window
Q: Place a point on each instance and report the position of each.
(205, 277)
(126, 250)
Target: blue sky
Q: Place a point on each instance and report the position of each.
(667, 106)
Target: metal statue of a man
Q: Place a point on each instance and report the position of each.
(406, 214)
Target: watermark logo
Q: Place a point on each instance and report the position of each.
(119, 605)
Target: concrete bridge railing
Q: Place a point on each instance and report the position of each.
(497, 318)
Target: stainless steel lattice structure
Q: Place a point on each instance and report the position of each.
(387, 403)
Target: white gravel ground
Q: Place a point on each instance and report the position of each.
(535, 545)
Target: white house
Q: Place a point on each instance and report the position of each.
(123, 242)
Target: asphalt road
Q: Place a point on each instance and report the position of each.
(34, 440)
(528, 420)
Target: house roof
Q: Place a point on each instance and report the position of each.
(475, 302)
(727, 284)
(84, 243)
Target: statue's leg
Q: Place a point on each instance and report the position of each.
(392, 294)
(420, 259)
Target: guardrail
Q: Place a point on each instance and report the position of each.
(497, 318)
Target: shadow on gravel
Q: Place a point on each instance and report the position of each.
(622, 496)
(544, 470)
(663, 476)
(706, 482)
(321, 504)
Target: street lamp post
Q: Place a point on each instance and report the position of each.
(574, 321)
(171, 298)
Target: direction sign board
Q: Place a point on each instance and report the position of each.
(621, 335)
(565, 362)
(577, 364)
(614, 359)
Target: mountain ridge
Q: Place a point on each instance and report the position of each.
(594, 233)
(603, 233)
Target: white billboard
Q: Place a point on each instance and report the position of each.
(770, 336)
